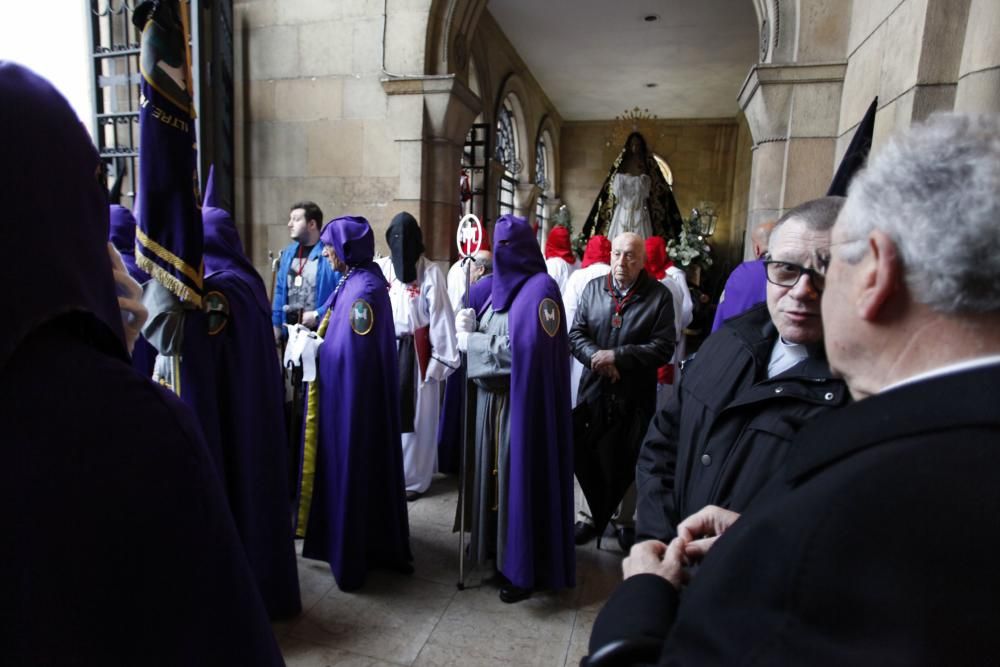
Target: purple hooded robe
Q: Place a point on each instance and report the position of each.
(123, 238)
(539, 549)
(248, 412)
(745, 287)
(352, 503)
(118, 541)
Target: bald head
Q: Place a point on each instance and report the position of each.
(482, 264)
(759, 236)
(628, 254)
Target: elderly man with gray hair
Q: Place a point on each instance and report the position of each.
(877, 541)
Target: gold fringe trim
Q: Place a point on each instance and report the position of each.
(309, 447)
(168, 280)
(146, 243)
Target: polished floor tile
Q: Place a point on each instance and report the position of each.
(424, 620)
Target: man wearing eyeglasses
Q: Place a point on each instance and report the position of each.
(876, 542)
(745, 394)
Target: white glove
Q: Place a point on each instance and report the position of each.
(133, 313)
(462, 341)
(465, 320)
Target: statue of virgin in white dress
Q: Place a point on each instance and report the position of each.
(635, 197)
(630, 213)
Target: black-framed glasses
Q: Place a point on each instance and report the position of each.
(787, 274)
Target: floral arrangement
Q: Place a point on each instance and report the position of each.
(563, 217)
(690, 247)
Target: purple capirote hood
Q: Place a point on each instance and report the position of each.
(48, 151)
(352, 238)
(122, 229)
(516, 257)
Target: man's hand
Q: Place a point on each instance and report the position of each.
(700, 530)
(602, 362)
(310, 318)
(602, 358)
(654, 557)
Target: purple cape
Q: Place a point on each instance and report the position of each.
(745, 287)
(357, 519)
(112, 510)
(540, 551)
(232, 379)
(123, 238)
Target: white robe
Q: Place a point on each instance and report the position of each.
(560, 270)
(676, 282)
(571, 299)
(421, 303)
(456, 284)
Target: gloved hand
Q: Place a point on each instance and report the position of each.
(465, 320)
(462, 341)
(129, 293)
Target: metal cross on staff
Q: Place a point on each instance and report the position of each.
(470, 241)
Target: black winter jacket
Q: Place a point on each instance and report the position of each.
(643, 343)
(728, 427)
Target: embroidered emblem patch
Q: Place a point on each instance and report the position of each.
(549, 316)
(216, 306)
(362, 317)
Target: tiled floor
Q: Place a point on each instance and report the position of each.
(424, 620)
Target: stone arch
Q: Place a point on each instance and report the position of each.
(450, 26)
(547, 128)
(512, 88)
(478, 60)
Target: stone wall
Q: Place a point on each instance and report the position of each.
(702, 155)
(979, 70)
(322, 114)
(312, 119)
(910, 54)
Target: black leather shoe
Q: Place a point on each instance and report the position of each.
(583, 532)
(626, 538)
(413, 495)
(510, 593)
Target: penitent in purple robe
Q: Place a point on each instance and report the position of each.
(123, 238)
(539, 551)
(118, 543)
(745, 287)
(240, 406)
(352, 503)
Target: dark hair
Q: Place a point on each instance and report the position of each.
(644, 151)
(817, 214)
(311, 210)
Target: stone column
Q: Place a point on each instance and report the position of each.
(430, 117)
(793, 112)
(525, 197)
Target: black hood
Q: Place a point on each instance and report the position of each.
(406, 243)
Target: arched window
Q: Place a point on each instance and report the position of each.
(507, 155)
(542, 181)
